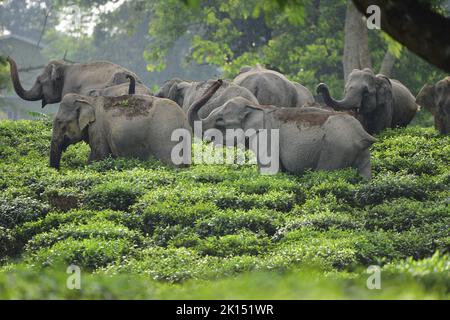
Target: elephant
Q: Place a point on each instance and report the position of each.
(138, 126)
(60, 78)
(273, 88)
(436, 99)
(122, 89)
(378, 102)
(309, 137)
(185, 93)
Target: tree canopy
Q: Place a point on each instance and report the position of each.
(199, 39)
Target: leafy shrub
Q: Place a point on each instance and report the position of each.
(340, 183)
(63, 199)
(7, 242)
(214, 221)
(76, 156)
(259, 184)
(106, 230)
(122, 164)
(176, 235)
(391, 186)
(113, 195)
(242, 243)
(26, 138)
(54, 220)
(277, 200)
(164, 264)
(87, 253)
(413, 150)
(403, 214)
(433, 271)
(230, 222)
(164, 214)
(16, 211)
(332, 250)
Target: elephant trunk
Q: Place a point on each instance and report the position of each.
(55, 154)
(132, 88)
(351, 101)
(195, 107)
(35, 93)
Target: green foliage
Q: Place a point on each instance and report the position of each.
(16, 211)
(112, 195)
(89, 253)
(125, 217)
(403, 214)
(290, 36)
(391, 186)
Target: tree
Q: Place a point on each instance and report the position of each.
(416, 25)
(356, 49)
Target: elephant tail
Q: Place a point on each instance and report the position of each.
(132, 88)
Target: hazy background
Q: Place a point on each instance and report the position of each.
(162, 39)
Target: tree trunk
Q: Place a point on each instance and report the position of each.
(365, 60)
(415, 25)
(356, 47)
(388, 64)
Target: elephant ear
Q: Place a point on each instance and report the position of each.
(176, 92)
(427, 98)
(384, 91)
(56, 72)
(86, 113)
(253, 117)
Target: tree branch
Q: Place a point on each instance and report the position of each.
(415, 26)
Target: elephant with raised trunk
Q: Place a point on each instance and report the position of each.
(60, 78)
(436, 99)
(273, 88)
(309, 137)
(120, 89)
(137, 126)
(377, 101)
(185, 93)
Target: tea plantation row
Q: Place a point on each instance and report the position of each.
(143, 230)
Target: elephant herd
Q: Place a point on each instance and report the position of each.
(109, 107)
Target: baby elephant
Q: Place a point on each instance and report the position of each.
(137, 126)
(309, 137)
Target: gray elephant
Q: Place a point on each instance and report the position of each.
(185, 93)
(309, 137)
(436, 99)
(60, 78)
(378, 102)
(122, 89)
(273, 88)
(137, 126)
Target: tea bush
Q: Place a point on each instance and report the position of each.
(16, 211)
(141, 222)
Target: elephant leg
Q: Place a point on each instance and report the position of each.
(99, 153)
(362, 164)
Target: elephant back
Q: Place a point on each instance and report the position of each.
(405, 106)
(129, 106)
